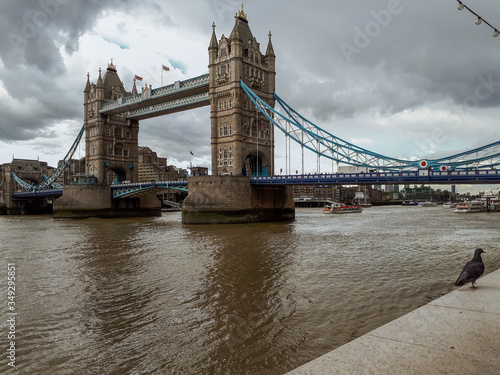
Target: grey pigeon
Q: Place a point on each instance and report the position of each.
(472, 270)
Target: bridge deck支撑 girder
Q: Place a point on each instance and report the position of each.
(189, 88)
(171, 106)
(130, 190)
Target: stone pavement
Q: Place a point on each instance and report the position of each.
(458, 333)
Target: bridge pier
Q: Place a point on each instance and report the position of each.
(35, 206)
(84, 201)
(232, 199)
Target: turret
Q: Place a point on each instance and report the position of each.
(87, 86)
(134, 89)
(270, 61)
(99, 87)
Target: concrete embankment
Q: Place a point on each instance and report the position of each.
(458, 333)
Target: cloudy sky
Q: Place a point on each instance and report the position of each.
(400, 77)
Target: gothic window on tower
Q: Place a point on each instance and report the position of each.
(106, 132)
(118, 133)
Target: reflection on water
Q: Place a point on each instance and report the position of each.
(150, 296)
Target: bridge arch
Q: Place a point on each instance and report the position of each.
(117, 175)
(255, 165)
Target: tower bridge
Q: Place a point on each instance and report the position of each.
(240, 90)
(178, 96)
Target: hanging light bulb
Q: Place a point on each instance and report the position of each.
(461, 6)
(479, 20)
(496, 33)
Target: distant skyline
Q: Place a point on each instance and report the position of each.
(399, 77)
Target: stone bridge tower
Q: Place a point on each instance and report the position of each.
(242, 138)
(111, 142)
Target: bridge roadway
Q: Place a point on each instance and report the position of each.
(375, 178)
(372, 178)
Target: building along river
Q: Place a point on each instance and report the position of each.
(151, 296)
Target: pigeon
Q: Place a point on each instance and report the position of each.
(472, 270)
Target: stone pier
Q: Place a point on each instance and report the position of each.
(231, 199)
(84, 201)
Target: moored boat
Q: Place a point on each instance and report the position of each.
(491, 203)
(427, 204)
(409, 203)
(469, 206)
(339, 208)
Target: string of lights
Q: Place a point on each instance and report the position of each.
(480, 20)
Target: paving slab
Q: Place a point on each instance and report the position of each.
(458, 333)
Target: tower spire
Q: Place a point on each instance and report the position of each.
(87, 86)
(213, 41)
(99, 79)
(270, 49)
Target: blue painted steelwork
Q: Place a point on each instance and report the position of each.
(47, 193)
(134, 189)
(50, 183)
(422, 176)
(157, 109)
(54, 184)
(23, 184)
(190, 92)
(325, 144)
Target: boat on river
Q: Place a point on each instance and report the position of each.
(427, 204)
(469, 206)
(340, 208)
(409, 203)
(491, 203)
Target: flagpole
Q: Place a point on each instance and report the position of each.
(162, 76)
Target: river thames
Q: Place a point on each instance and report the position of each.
(151, 296)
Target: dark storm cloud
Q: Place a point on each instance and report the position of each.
(335, 59)
(33, 33)
(407, 53)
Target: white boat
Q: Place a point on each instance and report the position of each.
(470, 206)
(449, 205)
(339, 208)
(491, 203)
(427, 204)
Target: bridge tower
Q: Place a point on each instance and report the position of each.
(111, 142)
(242, 139)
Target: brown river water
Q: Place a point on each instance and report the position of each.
(151, 296)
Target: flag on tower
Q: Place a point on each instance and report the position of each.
(165, 68)
(138, 78)
(191, 152)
